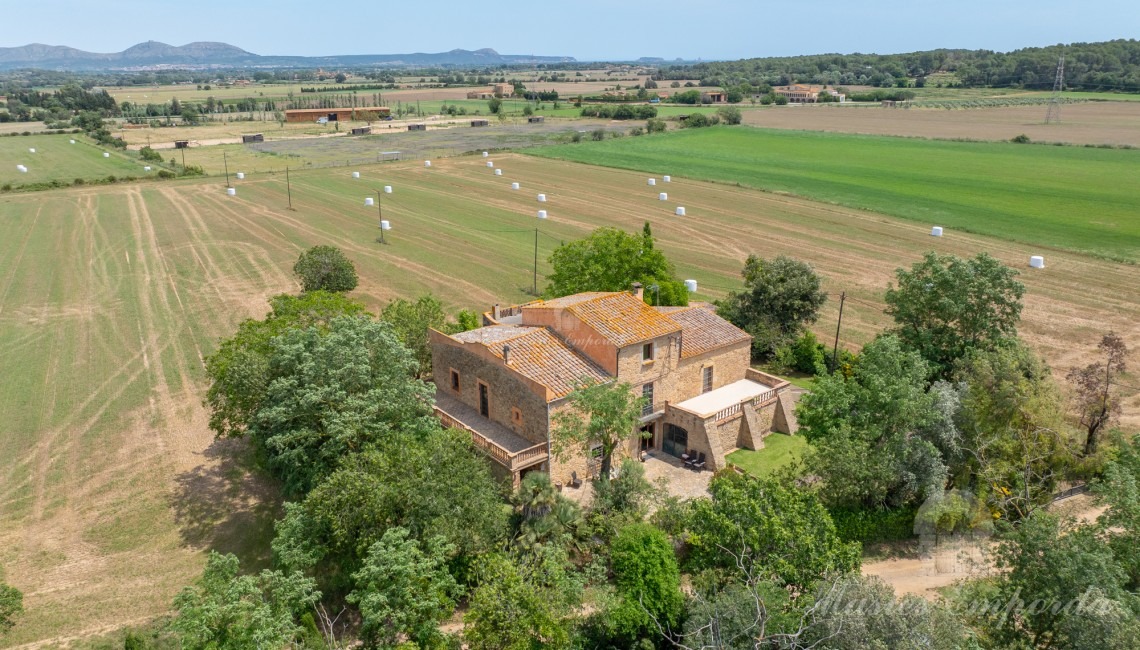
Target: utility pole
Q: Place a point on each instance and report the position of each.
(534, 289)
(227, 164)
(835, 350)
(289, 187)
(1053, 113)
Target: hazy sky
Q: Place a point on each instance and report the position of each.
(586, 29)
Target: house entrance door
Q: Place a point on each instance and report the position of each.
(676, 440)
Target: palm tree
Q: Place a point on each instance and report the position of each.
(536, 496)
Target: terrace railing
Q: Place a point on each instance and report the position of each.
(512, 460)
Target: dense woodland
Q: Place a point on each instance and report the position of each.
(1107, 66)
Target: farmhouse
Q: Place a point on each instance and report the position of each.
(252, 137)
(798, 94)
(361, 130)
(336, 114)
(536, 119)
(479, 122)
(504, 382)
(713, 97)
(496, 90)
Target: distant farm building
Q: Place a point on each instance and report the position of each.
(361, 130)
(496, 90)
(798, 94)
(253, 137)
(479, 123)
(536, 119)
(417, 127)
(713, 97)
(181, 144)
(337, 114)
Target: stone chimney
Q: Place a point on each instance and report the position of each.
(507, 355)
(636, 290)
(495, 311)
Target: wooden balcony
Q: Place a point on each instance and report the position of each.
(500, 443)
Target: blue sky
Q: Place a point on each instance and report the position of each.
(586, 29)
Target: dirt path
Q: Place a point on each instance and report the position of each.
(924, 574)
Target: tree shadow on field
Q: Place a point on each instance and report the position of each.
(226, 505)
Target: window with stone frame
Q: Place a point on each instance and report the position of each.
(455, 380)
(706, 379)
(516, 416)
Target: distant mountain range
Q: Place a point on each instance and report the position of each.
(153, 54)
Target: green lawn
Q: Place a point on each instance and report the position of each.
(57, 159)
(779, 450)
(1075, 198)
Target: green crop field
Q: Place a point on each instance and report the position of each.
(1072, 198)
(56, 159)
(113, 488)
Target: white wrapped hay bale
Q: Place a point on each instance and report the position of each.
(1037, 262)
(387, 189)
(667, 179)
(385, 225)
(498, 172)
(542, 214)
(356, 174)
(240, 176)
(427, 163)
(936, 231)
(652, 182)
(680, 211)
(490, 164)
(368, 200)
(231, 191)
(663, 197)
(691, 285)
(542, 198)
(515, 186)
(21, 169)
(106, 155)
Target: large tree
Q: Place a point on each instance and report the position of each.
(647, 580)
(1097, 406)
(876, 435)
(1054, 581)
(432, 486)
(612, 260)
(780, 533)
(325, 268)
(945, 306)
(1120, 491)
(600, 413)
(781, 297)
(239, 369)
(404, 590)
(1018, 446)
(412, 319)
(229, 611)
(335, 393)
(519, 606)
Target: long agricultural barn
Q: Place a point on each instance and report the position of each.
(337, 114)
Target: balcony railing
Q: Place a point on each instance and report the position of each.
(512, 460)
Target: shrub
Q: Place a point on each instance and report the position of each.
(1020, 139)
(576, 136)
(325, 268)
(808, 355)
(636, 131)
(730, 115)
(166, 174)
(655, 125)
(78, 181)
(598, 134)
(870, 526)
(148, 154)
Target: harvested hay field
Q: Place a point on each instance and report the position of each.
(110, 296)
(1097, 123)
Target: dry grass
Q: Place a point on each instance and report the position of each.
(1088, 123)
(109, 296)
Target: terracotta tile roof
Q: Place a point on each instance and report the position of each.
(538, 355)
(703, 331)
(619, 317)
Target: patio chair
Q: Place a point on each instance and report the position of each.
(700, 464)
(575, 482)
(692, 458)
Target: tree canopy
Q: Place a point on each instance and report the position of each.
(783, 533)
(873, 434)
(599, 413)
(781, 297)
(325, 268)
(11, 605)
(945, 306)
(610, 259)
(229, 611)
